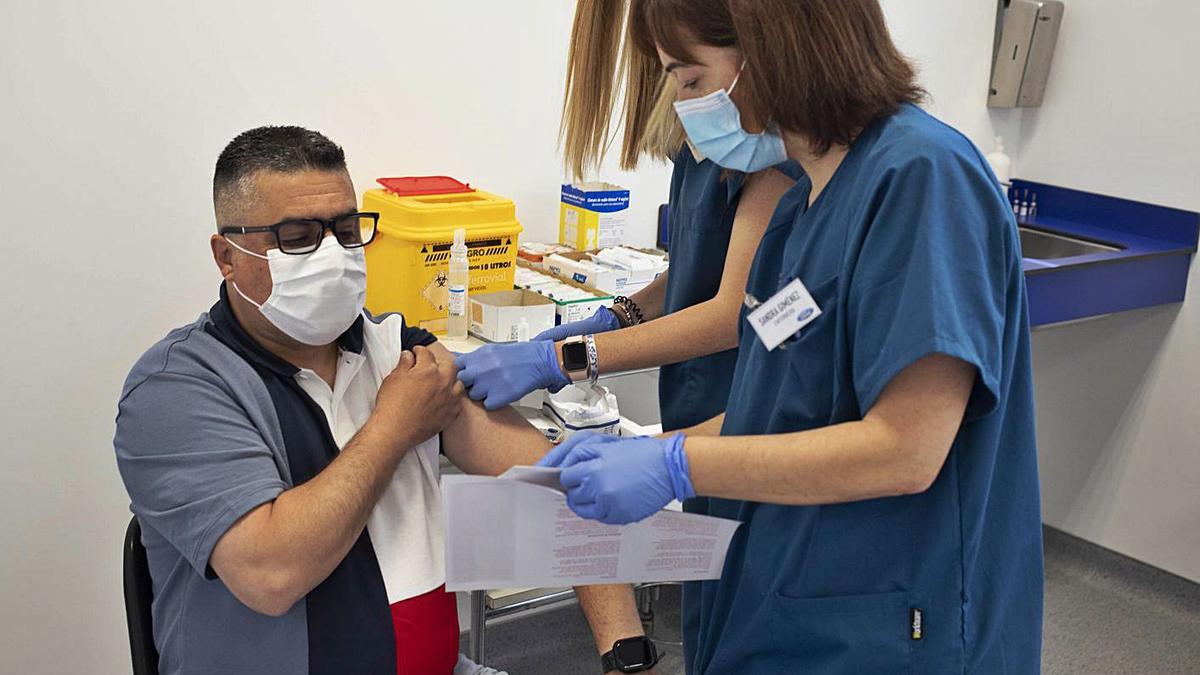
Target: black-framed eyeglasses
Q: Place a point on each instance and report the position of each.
(304, 235)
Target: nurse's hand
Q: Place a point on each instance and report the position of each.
(555, 457)
(603, 320)
(621, 480)
(501, 374)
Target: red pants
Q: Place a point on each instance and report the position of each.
(426, 633)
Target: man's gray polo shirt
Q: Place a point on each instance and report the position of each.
(209, 426)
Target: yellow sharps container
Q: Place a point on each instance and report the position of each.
(408, 263)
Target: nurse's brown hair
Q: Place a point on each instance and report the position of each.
(826, 69)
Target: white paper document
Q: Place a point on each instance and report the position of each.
(517, 531)
(538, 475)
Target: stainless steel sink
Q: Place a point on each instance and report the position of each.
(1045, 245)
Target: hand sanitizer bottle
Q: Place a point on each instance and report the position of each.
(1001, 162)
(458, 281)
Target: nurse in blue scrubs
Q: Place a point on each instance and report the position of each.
(717, 216)
(878, 444)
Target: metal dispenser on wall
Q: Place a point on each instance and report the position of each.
(1027, 32)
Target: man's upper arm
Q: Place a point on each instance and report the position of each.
(489, 443)
(192, 461)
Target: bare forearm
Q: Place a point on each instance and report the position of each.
(283, 549)
(710, 327)
(842, 463)
(707, 327)
(488, 443)
(652, 299)
(898, 448)
(327, 514)
(711, 427)
(611, 613)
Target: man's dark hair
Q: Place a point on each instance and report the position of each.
(285, 149)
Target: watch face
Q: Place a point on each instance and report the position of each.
(634, 653)
(574, 356)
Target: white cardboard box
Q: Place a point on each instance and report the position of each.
(496, 316)
(592, 215)
(580, 268)
(576, 310)
(569, 310)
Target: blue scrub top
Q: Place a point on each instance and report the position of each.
(703, 202)
(910, 250)
(702, 207)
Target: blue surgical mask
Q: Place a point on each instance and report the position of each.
(714, 130)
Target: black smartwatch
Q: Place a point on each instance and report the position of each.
(630, 655)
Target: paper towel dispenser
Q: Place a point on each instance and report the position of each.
(1024, 50)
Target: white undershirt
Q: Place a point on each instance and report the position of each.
(406, 524)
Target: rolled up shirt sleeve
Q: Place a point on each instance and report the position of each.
(192, 461)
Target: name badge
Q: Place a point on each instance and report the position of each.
(781, 317)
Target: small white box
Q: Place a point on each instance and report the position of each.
(582, 303)
(533, 254)
(496, 316)
(570, 311)
(580, 268)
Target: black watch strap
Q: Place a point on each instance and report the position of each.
(643, 650)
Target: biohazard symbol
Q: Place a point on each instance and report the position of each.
(435, 292)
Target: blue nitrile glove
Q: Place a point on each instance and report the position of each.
(603, 320)
(501, 374)
(558, 453)
(618, 481)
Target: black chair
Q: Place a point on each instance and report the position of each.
(138, 593)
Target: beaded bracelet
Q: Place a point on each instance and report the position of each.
(633, 313)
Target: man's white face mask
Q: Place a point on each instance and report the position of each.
(314, 297)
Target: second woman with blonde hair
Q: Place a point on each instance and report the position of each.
(686, 320)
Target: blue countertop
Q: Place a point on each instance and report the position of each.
(1155, 248)
(1131, 245)
(1150, 268)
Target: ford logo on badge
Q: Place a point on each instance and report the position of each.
(808, 311)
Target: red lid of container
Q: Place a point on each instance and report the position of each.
(411, 186)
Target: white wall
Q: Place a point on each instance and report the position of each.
(1117, 398)
(951, 43)
(116, 112)
(112, 118)
(1121, 108)
(1118, 429)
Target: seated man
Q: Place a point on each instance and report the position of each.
(281, 452)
